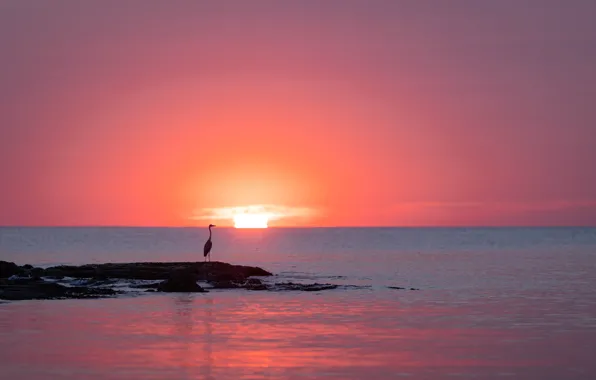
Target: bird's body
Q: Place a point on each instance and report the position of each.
(208, 245)
(207, 248)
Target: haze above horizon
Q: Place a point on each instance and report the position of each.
(336, 113)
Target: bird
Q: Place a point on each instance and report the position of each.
(208, 245)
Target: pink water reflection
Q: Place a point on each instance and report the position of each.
(254, 335)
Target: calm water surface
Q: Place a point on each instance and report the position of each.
(493, 303)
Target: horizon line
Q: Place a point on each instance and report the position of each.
(297, 227)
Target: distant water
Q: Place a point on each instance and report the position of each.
(493, 303)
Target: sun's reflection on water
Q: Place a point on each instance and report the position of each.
(252, 335)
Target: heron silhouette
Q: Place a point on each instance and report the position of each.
(208, 245)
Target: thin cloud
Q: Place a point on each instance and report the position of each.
(273, 212)
(501, 206)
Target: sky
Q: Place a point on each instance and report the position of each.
(323, 113)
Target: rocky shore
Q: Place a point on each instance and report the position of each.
(98, 280)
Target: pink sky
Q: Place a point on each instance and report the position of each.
(363, 112)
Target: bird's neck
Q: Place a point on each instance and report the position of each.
(209, 233)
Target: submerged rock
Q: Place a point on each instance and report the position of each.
(303, 287)
(400, 288)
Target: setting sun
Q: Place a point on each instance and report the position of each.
(251, 220)
(254, 216)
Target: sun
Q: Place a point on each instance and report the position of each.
(251, 220)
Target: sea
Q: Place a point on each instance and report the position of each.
(488, 303)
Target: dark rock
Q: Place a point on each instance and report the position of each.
(216, 271)
(183, 280)
(226, 277)
(100, 275)
(355, 286)
(28, 270)
(34, 289)
(175, 276)
(254, 284)
(254, 271)
(8, 269)
(173, 286)
(400, 288)
(257, 287)
(225, 285)
(36, 272)
(303, 287)
(239, 283)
